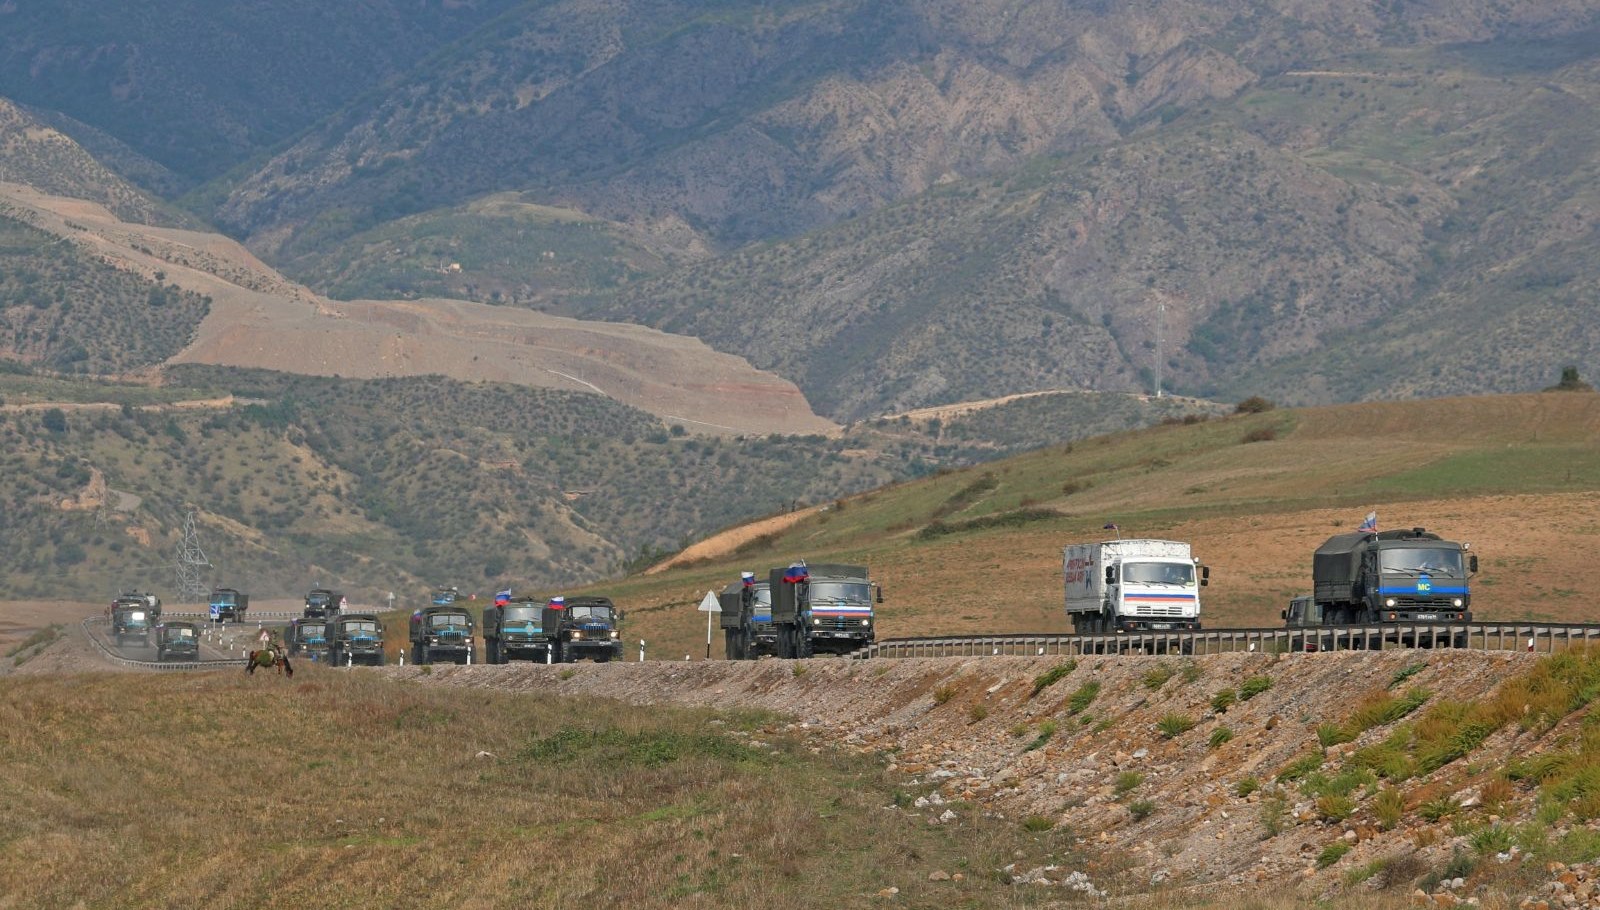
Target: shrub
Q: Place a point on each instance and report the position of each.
(1038, 823)
(1406, 674)
(1439, 807)
(1389, 806)
(1140, 809)
(1219, 737)
(1335, 808)
(1246, 786)
(1173, 724)
(1047, 729)
(1332, 734)
(1255, 404)
(1332, 854)
(1157, 676)
(1260, 434)
(1300, 767)
(1052, 676)
(944, 693)
(1254, 686)
(1273, 810)
(1127, 781)
(1083, 697)
(977, 712)
(1223, 700)
(1493, 839)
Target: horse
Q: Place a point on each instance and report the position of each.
(269, 657)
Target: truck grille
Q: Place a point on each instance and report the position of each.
(1423, 603)
(839, 624)
(1157, 610)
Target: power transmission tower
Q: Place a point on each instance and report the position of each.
(191, 559)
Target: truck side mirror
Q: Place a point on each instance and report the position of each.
(1472, 564)
(1205, 576)
(1111, 575)
(879, 589)
(1283, 614)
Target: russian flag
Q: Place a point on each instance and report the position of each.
(558, 603)
(501, 598)
(796, 574)
(749, 579)
(1370, 526)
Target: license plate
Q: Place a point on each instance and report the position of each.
(1427, 616)
(1161, 625)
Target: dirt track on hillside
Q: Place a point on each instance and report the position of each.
(260, 319)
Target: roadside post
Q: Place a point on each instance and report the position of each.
(641, 650)
(709, 605)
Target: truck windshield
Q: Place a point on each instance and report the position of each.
(224, 600)
(182, 632)
(310, 631)
(440, 620)
(1419, 560)
(854, 591)
(590, 614)
(318, 600)
(369, 627)
(764, 596)
(1159, 573)
(521, 615)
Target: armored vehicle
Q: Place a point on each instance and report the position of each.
(322, 603)
(580, 627)
(514, 630)
(228, 605)
(355, 638)
(441, 633)
(825, 608)
(746, 617)
(177, 641)
(308, 637)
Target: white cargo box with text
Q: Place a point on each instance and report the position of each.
(1156, 584)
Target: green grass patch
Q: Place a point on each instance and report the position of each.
(1083, 697)
(1052, 676)
(1254, 686)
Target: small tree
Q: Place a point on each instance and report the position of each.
(1570, 382)
(55, 420)
(1255, 404)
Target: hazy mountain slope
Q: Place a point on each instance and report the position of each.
(200, 86)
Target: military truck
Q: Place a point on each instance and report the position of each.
(228, 605)
(150, 603)
(307, 636)
(355, 638)
(1406, 575)
(444, 597)
(514, 630)
(177, 641)
(582, 627)
(821, 609)
(130, 623)
(746, 617)
(442, 632)
(322, 603)
(1116, 586)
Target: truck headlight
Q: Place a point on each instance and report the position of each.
(1456, 602)
(816, 622)
(866, 622)
(615, 635)
(1390, 602)
(577, 636)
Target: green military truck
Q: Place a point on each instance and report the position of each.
(307, 637)
(177, 641)
(442, 632)
(582, 627)
(748, 632)
(355, 638)
(822, 609)
(514, 630)
(131, 623)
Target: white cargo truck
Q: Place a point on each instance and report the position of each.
(1132, 585)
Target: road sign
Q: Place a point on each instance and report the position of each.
(710, 604)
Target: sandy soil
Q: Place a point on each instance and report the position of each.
(260, 319)
(725, 542)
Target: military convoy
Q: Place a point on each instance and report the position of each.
(322, 603)
(822, 609)
(442, 632)
(746, 618)
(177, 641)
(131, 622)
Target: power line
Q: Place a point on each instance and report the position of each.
(191, 559)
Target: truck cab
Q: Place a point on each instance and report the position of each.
(748, 630)
(583, 627)
(823, 608)
(307, 636)
(149, 602)
(177, 641)
(515, 631)
(355, 638)
(1402, 575)
(442, 632)
(131, 622)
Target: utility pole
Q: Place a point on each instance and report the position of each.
(1161, 317)
(191, 559)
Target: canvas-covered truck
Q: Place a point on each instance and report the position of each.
(1404, 575)
(746, 616)
(228, 605)
(150, 603)
(442, 633)
(355, 638)
(825, 608)
(177, 641)
(582, 627)
(131, 623)
(1132, 585)
(322, 603)
(514, 630)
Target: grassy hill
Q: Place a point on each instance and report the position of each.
(979, 549)
(402, 484)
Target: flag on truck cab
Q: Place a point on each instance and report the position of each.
(501, 598)
(1370, 526)
(557, 603)
(796, 574)
(749, 579)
